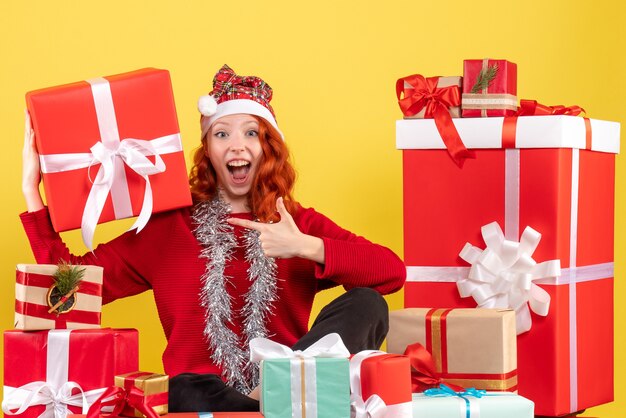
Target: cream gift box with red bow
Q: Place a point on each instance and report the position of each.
(555, 174)
(110, 148)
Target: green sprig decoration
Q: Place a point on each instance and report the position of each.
(67, 277)
(485, 78)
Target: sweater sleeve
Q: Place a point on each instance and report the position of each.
(351, 260)
(125, 259)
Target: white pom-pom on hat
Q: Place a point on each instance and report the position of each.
(207, 105)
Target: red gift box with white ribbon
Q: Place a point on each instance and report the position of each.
(110, 148)
(380, 385)
(555, 174)
(58, 372)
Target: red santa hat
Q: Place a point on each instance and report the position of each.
(234, 94)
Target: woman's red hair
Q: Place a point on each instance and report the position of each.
(274, 178)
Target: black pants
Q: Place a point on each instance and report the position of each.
(359, 316)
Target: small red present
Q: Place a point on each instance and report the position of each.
(47, 373)
(109, 148)
(555, 174)
(35, 299)
(380, 384)
(489, 88)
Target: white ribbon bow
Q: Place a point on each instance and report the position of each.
(329, 346)
(374, 407)
(502, 275)
(55, 400)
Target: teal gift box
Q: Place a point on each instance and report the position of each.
(314, 383)
(460, 405)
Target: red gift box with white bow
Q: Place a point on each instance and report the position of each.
(555, 174)
(59, 372)
(110, 148)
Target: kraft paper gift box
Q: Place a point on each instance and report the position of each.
(314, 382)
(555, 174)
(380, 384)
(63, 362)
(470, 347)
(32, 299)
(97, 140)
(498, 98)
(444, 404)
(441, 83)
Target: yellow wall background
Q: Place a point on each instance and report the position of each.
(333, 66)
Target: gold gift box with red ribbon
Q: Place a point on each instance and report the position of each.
(155, 388)
(470, 347)
(416, 88)
(34, 285)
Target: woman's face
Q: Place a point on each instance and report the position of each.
(235, 152)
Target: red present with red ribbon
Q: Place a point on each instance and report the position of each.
(489, 88)
(468, 348)
(33, 299)
(136, 394)
(58, 372)
(380, 385)
(110, 148)
(555, 173)
(422, 97)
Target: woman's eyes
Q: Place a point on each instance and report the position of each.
(224, 134)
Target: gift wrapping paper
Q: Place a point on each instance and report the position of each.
(491, 405)
(32, 285)
(470, 347)
(59, 366)
(442, 82)
(154, 386)
(498, 99)
(380, 384)
(555, 174)
(110, 148)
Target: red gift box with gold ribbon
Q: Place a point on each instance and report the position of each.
(47, 373)
(555, 173)
(33, 299)
(489, 88)
(380, 385)
(110, 148)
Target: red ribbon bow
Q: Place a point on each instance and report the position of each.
(436, 102)
(423, 373)
(533, 108)
(119, 398)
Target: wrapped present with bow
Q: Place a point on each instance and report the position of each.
(489, 88)
(444, 402)
(311, 383)
(436, 98)
(57, 296)
(381, 385)
(50, 374)
(461, 347)
(110, 148)
(555, 173)
(136, 394)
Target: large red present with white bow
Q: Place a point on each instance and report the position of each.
(60, 372)
(555, 174)
(110, 149)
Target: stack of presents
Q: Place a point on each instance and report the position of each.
(508, 237)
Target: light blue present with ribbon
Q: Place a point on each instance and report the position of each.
(443, 402)
(313, 383)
